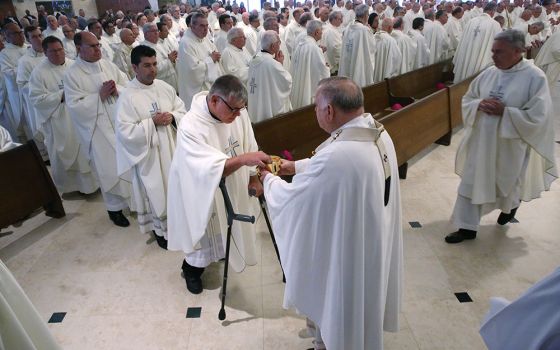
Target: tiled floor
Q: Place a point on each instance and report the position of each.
(119, 290)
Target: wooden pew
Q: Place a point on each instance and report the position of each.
(421, 82)
(417, 126)
(456, 93)
(378, 101)
(26, 185)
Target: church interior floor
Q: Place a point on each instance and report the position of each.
(119, 290)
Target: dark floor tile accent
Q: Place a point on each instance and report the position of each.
(194, 312)
(415, 224)
(57, 317)
(514, 221)
(463, 297)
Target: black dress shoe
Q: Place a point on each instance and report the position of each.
(460, 236)
(505, 218)
(192, 277)
(161, 241)
(118, 218)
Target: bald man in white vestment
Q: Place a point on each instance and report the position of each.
(308, 66)
(507, 152)
(474, 51)
(436, 36)
(147, 111)
(340, 239)
(70, 167)
(268, 83)
(14, 49)
(548, 59)
(91, 91)
(406, 46)
(166, 65)
(332, 40)
(531, 321)
(214, 141)
(358, 50)
(388, 57)
(122, 52)
(198, 62)
(235, 58)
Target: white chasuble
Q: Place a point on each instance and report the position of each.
(69, 164)
(25, 66)
(422, 58)
(9, 57)
(358, 54)
(548, 60)
(388, 57)
(474, 53)
(146, 150)
(269, 86)
(165, 67)
(195, 204)
(340, 245)
(407, 48)
(94, 120)
(332, 40)
(235, 61)
(122, 59)
(308, 68)
(511, 156)
(196, 71)
(437, 40)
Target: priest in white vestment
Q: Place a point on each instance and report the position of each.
(358, 50)
(332, 40)
(70, 167)
(91, 90)
(454, 29)
(148, 112)
(220, 37)
(507, 152)
(548, 59)
(235, 58)
(166, 65)
(214, 140)
(415, 12)
(198, 62)
(474, 51)
(406, 46)
(96, 28)
(308, 66)
(252, 35)
(123, 51)
(293, 29)
(268, 83)
(388, 57)
(68, 42)
(340, 238)
(532, 321)
(53, 28)
(436, 36)
(14, 49)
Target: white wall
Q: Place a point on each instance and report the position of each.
(87, 5)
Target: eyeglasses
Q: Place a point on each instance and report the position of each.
(231, 109)
(93, 46)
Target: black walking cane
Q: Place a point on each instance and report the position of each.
(231, 216)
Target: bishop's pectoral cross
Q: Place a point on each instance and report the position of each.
(476, 31)
(155, 109)
(230, 149)
(253, 85)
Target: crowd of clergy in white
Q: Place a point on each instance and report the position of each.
(155, 111)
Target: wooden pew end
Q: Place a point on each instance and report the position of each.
(445, 140)
(403, 169)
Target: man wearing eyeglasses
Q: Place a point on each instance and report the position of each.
(214, 140)
(91, 90)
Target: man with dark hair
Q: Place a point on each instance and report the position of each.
(91, 90)
(454, 29)
(108, 34)
(95, 27)
(422, 57)
(166, 60)
(436, 36)
(214, 140)
(251, 32)
(70, 168)
(220, 37)
(340, 240)
(148, 109)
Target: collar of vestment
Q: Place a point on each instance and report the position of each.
(139, 85)
(235, 48)
(519, 66)
(194, 37)
(15, 47)
(199, 107)
(89, 67)
(31, 52)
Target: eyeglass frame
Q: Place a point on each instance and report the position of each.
(231, 109)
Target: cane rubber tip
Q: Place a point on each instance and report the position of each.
(222, 315)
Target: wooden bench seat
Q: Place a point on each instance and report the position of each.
(422, 82)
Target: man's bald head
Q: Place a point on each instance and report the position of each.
(88, 46)
(338, 100)
(387, 25)
(127, 36)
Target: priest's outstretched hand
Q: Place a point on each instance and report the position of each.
(259, 159)
(255, 187)
(287, 167)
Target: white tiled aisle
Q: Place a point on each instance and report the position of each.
(121, 291)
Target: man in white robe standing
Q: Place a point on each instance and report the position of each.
(415, 12)
(548, 59)
(70, 167)
(215, 140)
(340, 239)
(14, 49)
(474, 51)
(198, 62)
(308, 66)
(268, 83)
(454, 29)
(406, 46)
(91, 90)
(166, 61)
(147, 111)
(220, 37)
(507, 153)
(252, 35)
(436, 36)
(123, 51)
(388, 57)
(332, 40)
(422, 58)
(235, 58)
(358, 50)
